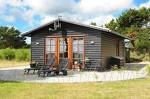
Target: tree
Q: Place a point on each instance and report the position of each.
(10, 37)
(133, 23)
(143, 40)
(112, 25)
(130, 18)
(93, 23)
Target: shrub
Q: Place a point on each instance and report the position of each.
(8, 54)
(1, 55)
(23, 55)
(148, 68)
(138, 57)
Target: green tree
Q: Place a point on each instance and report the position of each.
(130, 18)
(133, 23)
(93, 23)
(112, 25)
(10, 37)
(143, 39)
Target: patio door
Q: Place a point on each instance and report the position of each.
(70, 47)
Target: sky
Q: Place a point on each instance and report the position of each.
(29, 14)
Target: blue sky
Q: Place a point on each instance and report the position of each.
(28, 14)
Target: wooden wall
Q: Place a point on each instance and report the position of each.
(104, 44)
(109, 47)
(92, 51)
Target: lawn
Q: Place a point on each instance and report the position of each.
(132, 89)
(12, 63)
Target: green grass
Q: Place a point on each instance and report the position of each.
(133, 89)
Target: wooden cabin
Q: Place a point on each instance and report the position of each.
(87, 45)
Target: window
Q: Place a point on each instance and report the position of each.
(78, 49)
(50, 49)
(63, 42)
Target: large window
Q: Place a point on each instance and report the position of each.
(63, 42)
(64, 47)
(78, 49)
(50, 49)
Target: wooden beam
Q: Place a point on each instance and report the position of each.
(70, 52)
(57, 51)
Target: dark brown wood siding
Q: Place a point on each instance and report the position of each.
(38, 50)
(92, 51)
(111, 46)
(104, 43)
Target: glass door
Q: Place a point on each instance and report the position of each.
(78, 51)
(63, 52)
(50, 47)
(65, 47)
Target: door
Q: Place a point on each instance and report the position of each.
(65, 47)
(78, 51)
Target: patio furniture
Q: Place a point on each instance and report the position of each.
(56, 69)
(34, 66)
(47, 68)
(62, 67)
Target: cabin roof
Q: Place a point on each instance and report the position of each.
(75, 23)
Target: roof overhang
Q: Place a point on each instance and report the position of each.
(75, 23)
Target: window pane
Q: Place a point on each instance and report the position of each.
(52, 41)
(81, 41)
(52, 48)
(47, 41)
(75, 42)
(60, 41)
(47, 48)
(80, 48)
(61, 48)
(75, 48)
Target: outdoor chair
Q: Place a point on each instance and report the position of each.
(55, 69)
(34, 66)
(47, 68)
(62, 67)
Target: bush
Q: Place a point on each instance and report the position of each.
(1, 55)
(138, 57)
(148, 68)
(8, 54)
(23, 55)
(17, 54)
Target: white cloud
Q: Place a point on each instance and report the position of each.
(50, 6)
(14, 3)
(85, 11)
(2, 3)
(46, 19)
(147, 4)
(7, 18)
(103, 6)
(101, 20)
(2, 6)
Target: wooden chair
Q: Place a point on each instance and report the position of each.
(56, 69)
(47, 68)
(34, 66)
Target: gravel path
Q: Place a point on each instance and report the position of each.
(17, 74)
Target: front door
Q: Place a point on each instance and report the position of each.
(71, 47)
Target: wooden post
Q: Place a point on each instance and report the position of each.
(57, 51)
(70, 52)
